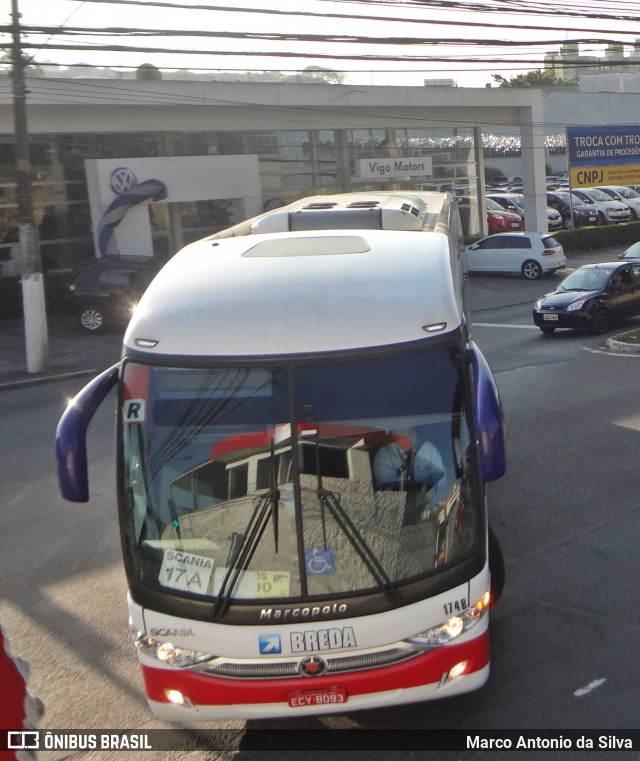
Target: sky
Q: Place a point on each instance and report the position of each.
(406, 19)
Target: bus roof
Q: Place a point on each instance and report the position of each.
(364, 210)
(291, 293)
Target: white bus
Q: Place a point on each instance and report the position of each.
(304, 434)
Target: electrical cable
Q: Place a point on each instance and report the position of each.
(526, 49)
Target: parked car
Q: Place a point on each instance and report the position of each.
(583, 215)
(500, 220)
(594, 296)
(449, 186)
(531, 254)
(515, 202)
(625, 195)
(632, 253)
(504, 199)
(105, 292)
(609, 211)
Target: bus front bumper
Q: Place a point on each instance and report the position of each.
(185, 696)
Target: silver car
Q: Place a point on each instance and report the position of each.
(625, 195)
(632, 253)
(609, 210)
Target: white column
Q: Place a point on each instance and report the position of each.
(533, 165)
(35, 323)
(478, 150)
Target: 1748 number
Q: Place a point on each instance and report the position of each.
(456, 606)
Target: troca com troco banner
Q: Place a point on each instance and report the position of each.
(603, 155)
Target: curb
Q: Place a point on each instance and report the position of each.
(616, 344)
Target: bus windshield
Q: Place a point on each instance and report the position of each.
(293, 481)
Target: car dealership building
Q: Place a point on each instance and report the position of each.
(143, 167)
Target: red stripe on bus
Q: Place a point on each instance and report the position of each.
(262, 439)
(136, 382)
(203, 689)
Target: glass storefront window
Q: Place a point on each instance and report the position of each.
(292, 164)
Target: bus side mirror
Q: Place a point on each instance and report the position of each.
(488, 420)
(71, 435)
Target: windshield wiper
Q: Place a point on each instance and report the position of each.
(330, 501)
(265, 508)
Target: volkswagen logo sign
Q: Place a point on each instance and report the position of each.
(312, 665)
(121, 180)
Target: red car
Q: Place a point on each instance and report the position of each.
(500, 220)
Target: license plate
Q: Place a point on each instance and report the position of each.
(515, 224)
(550, 317)
(305, 698)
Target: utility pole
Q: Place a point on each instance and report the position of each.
(34, 311)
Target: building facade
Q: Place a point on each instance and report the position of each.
(219, 152)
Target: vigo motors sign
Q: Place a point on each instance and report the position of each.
(603, 156)
(383, 169)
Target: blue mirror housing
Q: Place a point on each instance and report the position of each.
(488, 419)
(71, 435)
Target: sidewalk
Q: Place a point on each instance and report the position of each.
(71, 352)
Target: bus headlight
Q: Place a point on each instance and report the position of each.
(167, 652)
(451, 627)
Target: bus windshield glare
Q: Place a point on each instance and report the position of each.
(295, 481)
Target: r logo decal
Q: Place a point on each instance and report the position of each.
(134, 411)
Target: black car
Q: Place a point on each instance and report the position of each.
(583, 214)
(104, 292)
(593, 296)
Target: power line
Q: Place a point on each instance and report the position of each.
(73, 13)
(292, 54)
(306, 37)
(466, 22)
(515, 7)
(60, 38)
(512, 64)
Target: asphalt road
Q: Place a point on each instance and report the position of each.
(567, 515)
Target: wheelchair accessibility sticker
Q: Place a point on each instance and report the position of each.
(320, 561)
